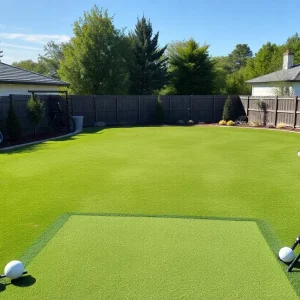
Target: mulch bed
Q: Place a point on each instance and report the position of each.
(255, 127)
(30, 139)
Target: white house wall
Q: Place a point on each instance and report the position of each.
(6, 89)
(269, 89)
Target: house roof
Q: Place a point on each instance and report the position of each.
(292, 74)
(14, 75)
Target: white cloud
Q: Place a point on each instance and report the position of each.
(36, 38)
(20, 47)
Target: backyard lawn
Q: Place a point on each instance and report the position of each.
(225, 176)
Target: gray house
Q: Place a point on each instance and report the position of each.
(14, 80)
(283, 82)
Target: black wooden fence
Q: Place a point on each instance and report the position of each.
(142, 109)
(115, 110)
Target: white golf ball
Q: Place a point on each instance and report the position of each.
(14, 269)
(286, 254)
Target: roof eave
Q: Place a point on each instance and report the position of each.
(251, 82)
(35, 83)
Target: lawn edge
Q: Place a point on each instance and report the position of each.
(264, 227)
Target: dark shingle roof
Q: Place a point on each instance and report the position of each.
(292, 74)
(11, 74)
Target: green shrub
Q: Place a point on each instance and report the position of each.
(36, 111)
(159, 111)
(228, 110)
(13, 124)
(190, 122)
(280, 125)
(255, 124)
(180, 122)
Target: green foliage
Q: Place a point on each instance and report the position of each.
(268, 59)
(52, 58)
(228, 110)
(148, 71)
(36, 111)
(190, 122)
(236, 83)
(239, 56)
(221, 70)
(293, 43)
(13, 124)
(30, 65)
(159, 111)
(191, 69)
(97, 58)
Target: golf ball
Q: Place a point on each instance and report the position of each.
(14, 269)
(286, 254)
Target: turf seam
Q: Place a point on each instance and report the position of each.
(264, 227)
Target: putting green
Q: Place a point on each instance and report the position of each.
(115, 257)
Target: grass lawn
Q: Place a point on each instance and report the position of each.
(193, 171)
(111, 257)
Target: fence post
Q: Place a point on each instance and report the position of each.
(276, 108)
(295, 113)
(95, 109)
(214, 108)
(117, 109)
(139, 109)
(170, 112)
(191, 107)
(248, 102)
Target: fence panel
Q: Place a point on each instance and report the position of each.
(147, 105)
(278, 110)
(105, 107)
(180, 108)
(128, 109)
(202, 108)
(297, 123)
(219, 105)
(84, 106)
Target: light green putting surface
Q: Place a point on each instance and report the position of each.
(108, 257)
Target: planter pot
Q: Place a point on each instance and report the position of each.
(78, 122)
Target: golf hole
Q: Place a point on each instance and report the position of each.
(298, 153)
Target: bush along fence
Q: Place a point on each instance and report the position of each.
(22, 117)
(272, 110)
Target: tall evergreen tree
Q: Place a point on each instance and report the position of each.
(238, 57)
(191, 69)
(148, 72)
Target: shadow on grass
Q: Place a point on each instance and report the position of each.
(42, 145)
(86, 131)
(24, 281)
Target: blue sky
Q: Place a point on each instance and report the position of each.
(25, 26)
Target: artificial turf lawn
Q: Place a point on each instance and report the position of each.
(109, 257)
(200, 171)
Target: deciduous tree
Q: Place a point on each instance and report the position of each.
(96, 59)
